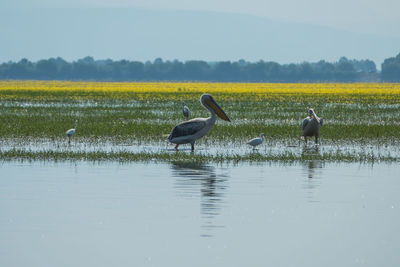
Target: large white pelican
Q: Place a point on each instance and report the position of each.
(311, 125)
(191, 130)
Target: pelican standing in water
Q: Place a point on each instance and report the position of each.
(186, 111)
(256, 141)
(311, 126)
(71, 132)
(191, 130)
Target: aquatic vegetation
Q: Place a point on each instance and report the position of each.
(135, 113)
(125, 156)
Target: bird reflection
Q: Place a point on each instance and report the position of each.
(199, 180)
(313, 172)
(312, 167)
(310, 149)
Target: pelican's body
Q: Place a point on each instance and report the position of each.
(311, 126)
(189, 131)
(256, 141)
(71, 132)
(186, 111)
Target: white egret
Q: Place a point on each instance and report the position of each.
(186, 111)
(256, 141)
(71, 132)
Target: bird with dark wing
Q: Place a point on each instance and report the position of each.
(189, 131)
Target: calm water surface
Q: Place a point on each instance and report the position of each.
(175, 214)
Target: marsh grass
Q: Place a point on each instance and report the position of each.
(132, 117)
(124, 156)
(153, 120)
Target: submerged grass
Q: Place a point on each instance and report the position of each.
(123, 156)
(147, 112)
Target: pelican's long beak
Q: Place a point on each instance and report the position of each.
(218, 110)
(314, 116)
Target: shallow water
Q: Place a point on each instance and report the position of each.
(185, 214)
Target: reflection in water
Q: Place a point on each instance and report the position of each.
(198, 180)
(310, 150)
(314, 174)
(313, 167)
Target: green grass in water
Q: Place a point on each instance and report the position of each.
(128, 119)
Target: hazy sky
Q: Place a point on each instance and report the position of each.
(278, 30)
(368, 16)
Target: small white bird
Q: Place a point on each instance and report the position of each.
(256, 141)
(71, 132)
(186, 111)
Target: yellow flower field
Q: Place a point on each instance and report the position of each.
(171, 87)
(342, 92)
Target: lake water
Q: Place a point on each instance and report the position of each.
(173, 214)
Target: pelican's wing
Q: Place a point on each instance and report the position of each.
(305, 122)
(321, 121)
(187, 128)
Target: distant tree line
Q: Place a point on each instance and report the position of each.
(87, 68)
(391, 69)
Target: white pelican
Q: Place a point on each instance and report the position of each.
(311, 125)
(191, 130)
(256, 141)
(71, 132)
(186, 111)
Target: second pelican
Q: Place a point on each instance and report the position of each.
(311, 126)
(191, 130)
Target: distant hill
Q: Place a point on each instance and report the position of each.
(137, 34)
